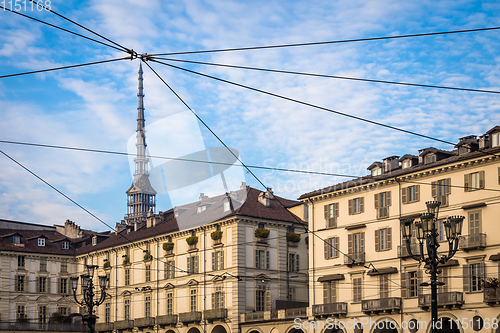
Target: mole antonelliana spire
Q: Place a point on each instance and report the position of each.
(141, 197)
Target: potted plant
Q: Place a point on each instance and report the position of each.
(490, 288)
(216, 236)
(262, 234)
(107, 264)
(147, 257)
(292, 238)
(168, 247)
(192, 241)
(126, 260)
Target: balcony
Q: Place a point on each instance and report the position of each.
(215, 314)
(330, 309)
(356, 258)
(491, 296)
(403, 252)
(144, 322)
(375, 306)
(190, 317)
(254, 316)
(124, 325)
(296, 313)
(472, 242)
(166, 320)
(104, 327)
(8, 326)
(446, 300)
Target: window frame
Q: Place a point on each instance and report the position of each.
(41, 241)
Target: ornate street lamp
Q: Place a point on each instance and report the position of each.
(427, 235)
(88, 293)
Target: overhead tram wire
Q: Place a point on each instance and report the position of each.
(123, 48)
(330, 76)
(64, 67)
(253, 175)
(66, 30)
(176, 159)
(328, 42)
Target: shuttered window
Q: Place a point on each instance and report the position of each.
(441, 189)
(330, 292)
(262, 259)
(218, 297)
(382, 204)
(356, 206)
(356, 246)
(475, 223)
(383, 239)
(170, 302)
(293, 262)
(410, 194)
(384, 286)
(331, 213)
(332, 248)
(193, 300)
(474, 181)
(262, 298)
(473, 277)
(357, 290)
(217, 260)
(192, 265)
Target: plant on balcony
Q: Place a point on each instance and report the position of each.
(107, 264)
(126, 261)
(491, 283)
(293, 237)
(216, 235)
(192, 240)
(262, 233)
(168, 246)
(306, 240)
(147, 257)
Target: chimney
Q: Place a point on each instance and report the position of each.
(120, 226)
(150, 220)
(203, 196)
(390, 163)
(266, 197)
(243, 186)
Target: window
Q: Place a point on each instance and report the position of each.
(64, 266)
(169, 269)
(218, 297)
(440, 191)
(201, 209)
(430, 158)
(20, 281)
(42, 314)
(217, 260)
(495, 140)
(474, 181)
(330, 292)
(473, 276)
(383, 286)
(148, 273)
(383, 239)
(357, 290)
(42, 284)
(293, 262)
(21, 312)
(170, 302)
(292, 294)
(356, 246)
(193, 300)
(306, 213)
(332, 248)
(410, 194)
(20, 261)
(126, 310)
(356, 206)
(63, 286)
(331, 214)
(127, 276)
(463, 150)
(65, 245)
(43, 264)
(94, 241)
(406, 163)
(262, 298)
(227, 206)
(16, 239)
(376, 171)
(443, 278)
(262, 259)
(41, 241)
(382, 203)
(192, 265)
(147, 307)
(107, 312)
(410, 281)
(441, 230)
(475, 223)
(63, 310)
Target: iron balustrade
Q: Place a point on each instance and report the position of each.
(447, 299)
(190, 317)
(471, 242)
(339, 308)
(381, 305)
(215, 314)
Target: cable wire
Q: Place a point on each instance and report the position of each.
(331, 76)
(330, 42)
(55, 26)
(64, 67)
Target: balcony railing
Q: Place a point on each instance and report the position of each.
(296, 313)
(190, 317)
(166, 320)
(215, 314)
(356, 258)
(448, 300)
(391, 304)
(329, 309)
(124, 324)
(8, 326)
(104, 327)
(144, 322)
(491, 295)
(472, 242)
(254, 316)
(403, 251)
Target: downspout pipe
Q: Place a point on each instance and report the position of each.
(400, 240)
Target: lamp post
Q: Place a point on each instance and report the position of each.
(426, 233)
(88, 293)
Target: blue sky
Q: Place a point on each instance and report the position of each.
(95, 107)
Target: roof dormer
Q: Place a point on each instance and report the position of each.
(407, 161)
(431, 155)
(494, 137)
(467, 144)
(375, 168)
